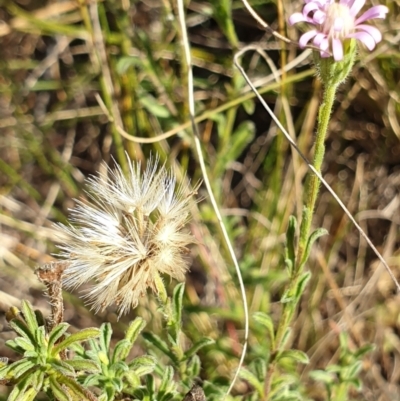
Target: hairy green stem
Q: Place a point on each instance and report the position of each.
(311, 194)
(313, 183)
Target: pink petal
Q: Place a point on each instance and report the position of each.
(310, 7)
(374, 32)
(319, 38)
(348, 3)
(320, 3)
(356, 6)
(297, 17)
(337, 49)
(306, 37)
(365, 38)
(319, 17)
(373, 12)
(324, 47)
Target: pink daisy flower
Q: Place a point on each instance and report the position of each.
(336, 21)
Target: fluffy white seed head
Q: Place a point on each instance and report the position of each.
(129, 230)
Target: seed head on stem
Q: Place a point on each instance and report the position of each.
(128, 233)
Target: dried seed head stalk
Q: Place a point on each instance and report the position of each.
(51, 275)
(128, 233)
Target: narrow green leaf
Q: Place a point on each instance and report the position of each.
(4, 372)
(29, 395)
(110, 392)
(124, 63)
(124, 346)
(286, 336)
(289, 267)
(154, 107)
(23, 343)
(266, 321)
(19, 391)
(29, 315)
(287, 297)
(253, 380)
(313, 237)
(22, 329)
(32, 355)
(83, 365)
(249, 106)
(167, 383)
(143, 365)
(57, 333)
(322, 376)
(77, 389)
(301, 285)
(121, 350)
(365, 349)
(160, 344)
(102, 357)
(41, 343)
(140, 394)
(62, 367)
(357, 383)
(13, 345)
(197, 346)
(40, 318)
(83, 335)
(105, 337)
(243, 135)
(15, 393)
(344, 340)
(38, 379)
(177, 300)
(57, 390)
(117, 384)
(295, 355)
(94, 380)
(78, 349)
(18, 368)
(150, 386)
(134, 329)
(351, 371)
(290, 240)
(166, 397)
(193, 367)
(132, 379)
(260, 367)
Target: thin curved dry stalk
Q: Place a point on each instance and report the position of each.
(186, 48)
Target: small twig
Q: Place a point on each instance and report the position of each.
(265, 25)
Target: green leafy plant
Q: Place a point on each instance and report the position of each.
(44, 366)
(115, 375)
(340, 378)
